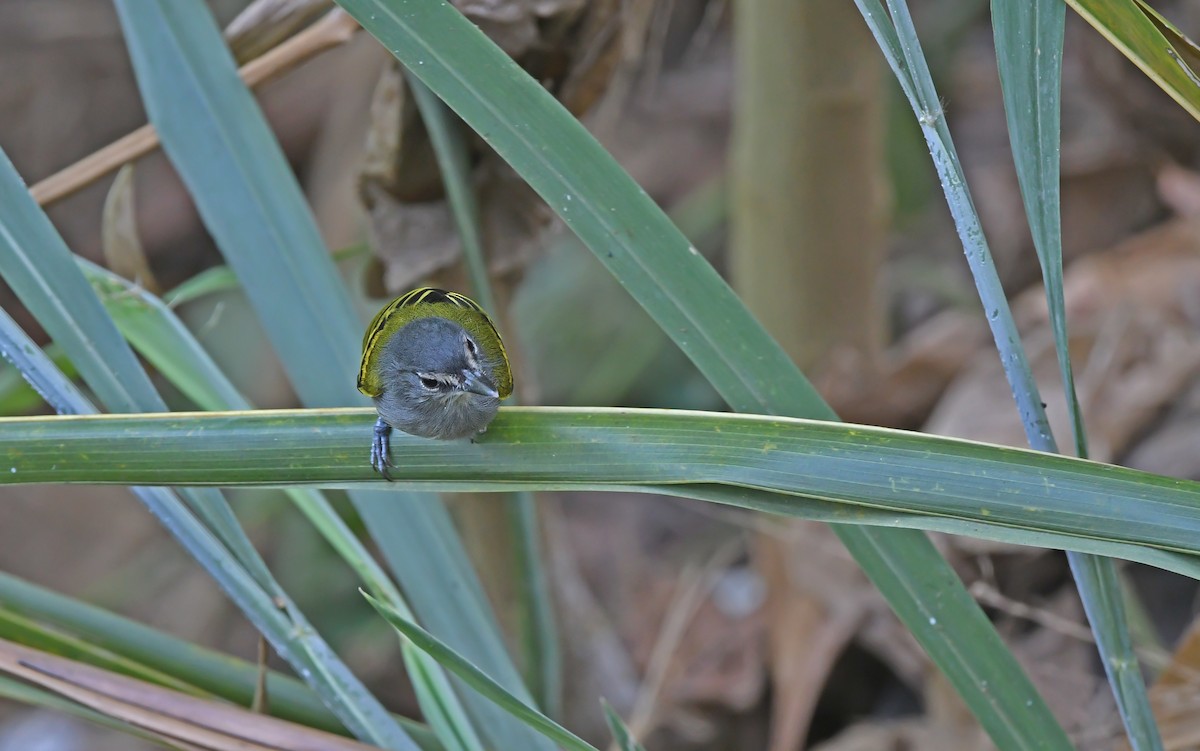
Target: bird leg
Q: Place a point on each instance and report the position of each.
(381, 448)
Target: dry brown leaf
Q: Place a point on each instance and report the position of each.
(1061, 664)
(882, 736)
(819, 601)
(948, 722)
(808, 625)
(177, 717)
(1175, 695)
(1179, 188)
(690, 619)
(718, 674)
(122, 244)
(696, 655)
(574, 49)
(1171, 448)
(263, 24)
(901, 391)
(411, 228)
(511, 24)
(594, 657)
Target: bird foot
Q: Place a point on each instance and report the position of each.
(381, 448)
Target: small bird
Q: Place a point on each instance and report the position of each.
(436, 367)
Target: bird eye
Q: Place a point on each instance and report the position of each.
(430, 383)
(471, 347)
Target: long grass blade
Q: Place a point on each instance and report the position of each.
(478, 680)
(1029, 46)
(539, 632)
(35, 697)
(218, 140)
(897, 37)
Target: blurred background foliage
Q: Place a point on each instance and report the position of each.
(686, 617)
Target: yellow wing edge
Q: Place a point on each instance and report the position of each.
(428, 295)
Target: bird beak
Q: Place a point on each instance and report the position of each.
(478, 383)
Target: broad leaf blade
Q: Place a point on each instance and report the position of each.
(867, 469)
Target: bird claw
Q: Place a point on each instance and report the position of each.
(381, 448)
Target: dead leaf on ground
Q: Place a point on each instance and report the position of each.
(816, 601)
(1179, 188)
(596, 662)
(1175, 695)
(819, 602)
(685, 610)
(896, 735)
(1132, 315)
(911, 376)
(1061, 665)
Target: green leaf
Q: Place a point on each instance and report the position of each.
(1029, 43)
(437, 700)
(1151, 43)
(624, 739)
(16, 396)
(27, 632)
(1100, 589)
(897, 38)
(160, 337)
(479, 680)
(222, 279)
(439, 704)
(1187, 50)
(207, 282)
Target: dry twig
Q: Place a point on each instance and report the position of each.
(334, 29)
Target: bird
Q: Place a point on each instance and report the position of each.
(435, 367)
